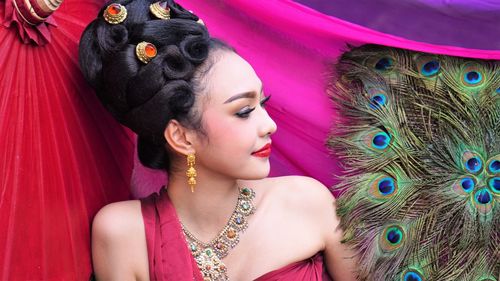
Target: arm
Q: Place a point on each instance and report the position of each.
(339, 260)
(118, 248)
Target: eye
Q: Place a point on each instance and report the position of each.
(245, 113)
(264, 101)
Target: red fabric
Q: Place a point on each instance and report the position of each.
(62, 156)
(168, 253)
(306, 270)
(37, 34)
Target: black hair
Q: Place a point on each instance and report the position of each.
(145, 97)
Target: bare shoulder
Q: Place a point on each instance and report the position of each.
(305, 197)
(301, 190)
(117, 236)
(117, 220)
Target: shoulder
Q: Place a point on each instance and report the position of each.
(312, 199)
(304, 196)
(301, 190)
(116, 220)
(118, 234)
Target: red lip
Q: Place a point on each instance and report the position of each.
(265, 151)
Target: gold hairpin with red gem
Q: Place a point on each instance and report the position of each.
(160, 9)
(115, 13)
(145, 51)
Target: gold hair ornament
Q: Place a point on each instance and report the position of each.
(115, 13)
(145, 51)
(160, 9)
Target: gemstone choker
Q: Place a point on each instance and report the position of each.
(209, 255)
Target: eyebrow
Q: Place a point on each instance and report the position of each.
(247, 95)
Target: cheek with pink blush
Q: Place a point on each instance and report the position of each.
(229, 131)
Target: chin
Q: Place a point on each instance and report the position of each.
(257, 172)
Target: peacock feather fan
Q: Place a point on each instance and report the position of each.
(419, 139)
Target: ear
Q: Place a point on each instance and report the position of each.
(178, 137)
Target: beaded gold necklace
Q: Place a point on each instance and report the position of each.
(208, 256)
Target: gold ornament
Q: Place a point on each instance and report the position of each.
(208, 256)
(145, 51)
(191, 171)
(115, 13)
(160, 10)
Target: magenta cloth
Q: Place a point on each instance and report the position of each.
(291, 47)
(306, 270)
(168, 253)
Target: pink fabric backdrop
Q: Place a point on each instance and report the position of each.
(291, 48)
(64, 157)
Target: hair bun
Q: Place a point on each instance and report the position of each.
(195, 48)
(111, 38)
(175, 65)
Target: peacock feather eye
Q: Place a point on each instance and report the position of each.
(377, 101)
(483, 196)
(497, 91)
(381, 140)
(467, 184)
(494, 184)
(377, 140)
(392, 238)
(412, 275)
(386, 186)
(464, 185)
(472, 76)
(483, 200)
(428, 66)
(378, 97)
(383, 187)
(472, 162)
(493, 165)
(384, 64)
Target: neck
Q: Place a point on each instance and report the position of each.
(205, 211)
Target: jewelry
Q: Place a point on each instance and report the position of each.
(191, 171)
(209, 255)
(145, 51)
(115, 13)
(160, 10)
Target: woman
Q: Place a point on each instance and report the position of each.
(198, 110)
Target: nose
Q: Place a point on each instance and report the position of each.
(267, 126)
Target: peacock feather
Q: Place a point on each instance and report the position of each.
(419, 139)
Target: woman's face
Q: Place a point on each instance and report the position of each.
(236, 123)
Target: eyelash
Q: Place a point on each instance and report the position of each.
(246, 113)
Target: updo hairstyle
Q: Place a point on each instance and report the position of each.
(145, 97)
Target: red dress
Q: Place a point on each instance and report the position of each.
(170, 259)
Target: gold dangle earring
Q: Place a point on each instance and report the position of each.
(191, 172)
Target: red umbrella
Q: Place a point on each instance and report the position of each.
(62, 157)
